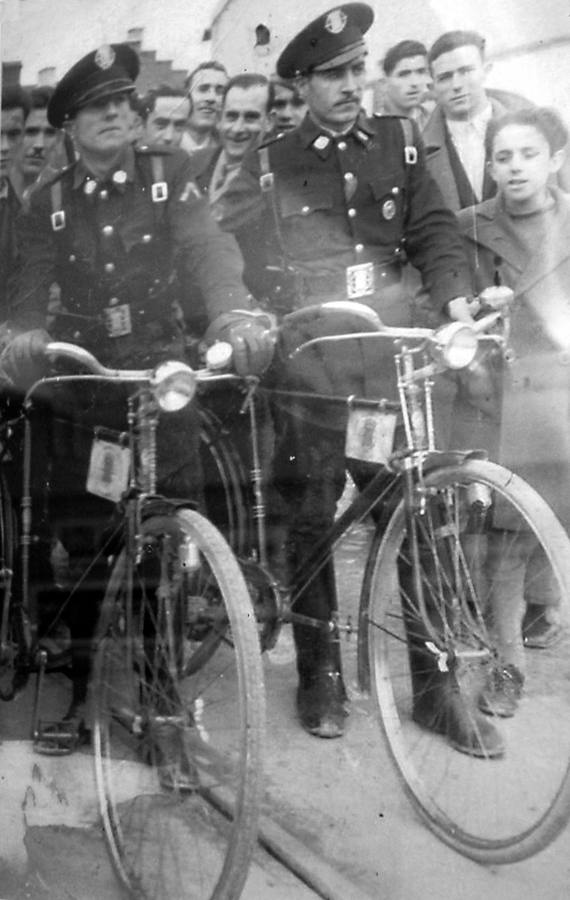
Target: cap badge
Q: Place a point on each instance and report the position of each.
(336, 21)
(389, 209)
(104, 57)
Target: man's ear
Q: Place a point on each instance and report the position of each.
(557, 160)
(488, 65)
(301, 85)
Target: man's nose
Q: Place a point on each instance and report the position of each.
(168, 133)
(349, 83)
(457, 81)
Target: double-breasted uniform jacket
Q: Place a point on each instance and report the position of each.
(443, 160)
(523, 408)
(9, 209)
(120, 244)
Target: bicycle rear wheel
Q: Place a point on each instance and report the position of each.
(178, 745)
(494, 810)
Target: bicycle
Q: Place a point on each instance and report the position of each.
(427, 584)
(177, 730)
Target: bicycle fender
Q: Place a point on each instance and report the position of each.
(442, 458)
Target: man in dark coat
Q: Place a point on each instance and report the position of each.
(330, 211)
(15, 108)
(454, 135)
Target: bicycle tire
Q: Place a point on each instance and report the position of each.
(178, 749)
(496, 810)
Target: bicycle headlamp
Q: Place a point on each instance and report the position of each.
(454, 345)
(173, 385)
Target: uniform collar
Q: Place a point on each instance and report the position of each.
(322, 140)
(4, 188)
(122, 172)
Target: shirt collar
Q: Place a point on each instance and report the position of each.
(476, 123)
(122, 172)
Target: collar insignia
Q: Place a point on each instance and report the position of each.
(322, 142)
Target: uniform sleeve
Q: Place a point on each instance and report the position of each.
(37, 264)
(433, 242)
(205, 254)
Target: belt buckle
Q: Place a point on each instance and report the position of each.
(360, 280)
(118, 320)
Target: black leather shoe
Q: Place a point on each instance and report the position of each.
(322, 705)
(445, 711)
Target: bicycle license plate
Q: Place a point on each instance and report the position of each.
(108, 474)
(370, 435)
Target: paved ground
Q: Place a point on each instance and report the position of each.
(336, 807)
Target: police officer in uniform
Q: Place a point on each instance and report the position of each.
(331, 211)
(123, 232)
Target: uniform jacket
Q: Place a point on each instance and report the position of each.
(525, 423)
(343, 201)
(108, 244)
(333, 203)
(443, 161)
(9, 209)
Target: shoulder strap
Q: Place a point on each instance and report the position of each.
(410, 149)
(57, 211)
(267, 186)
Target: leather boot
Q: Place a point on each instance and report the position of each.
(440, 706)
(321, 696)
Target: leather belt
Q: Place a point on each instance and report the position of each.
(385, 275)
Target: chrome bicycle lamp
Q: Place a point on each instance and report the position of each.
(173, 385)
(454, 345)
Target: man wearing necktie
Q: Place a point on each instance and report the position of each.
(332, 210)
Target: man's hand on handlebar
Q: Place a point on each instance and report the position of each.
(24, 359)
(463, 309)
(250, 336)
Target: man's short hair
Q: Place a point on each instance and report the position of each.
(247, 80)
(208, 64)
(403, 50)
(15, 97)
(146, 103)
(451, 40)
(40, 96)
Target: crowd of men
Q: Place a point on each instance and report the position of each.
(274, 193)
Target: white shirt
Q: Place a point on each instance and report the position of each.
(468, 137)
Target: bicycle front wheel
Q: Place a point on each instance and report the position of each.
(178, 744)
(437, 633)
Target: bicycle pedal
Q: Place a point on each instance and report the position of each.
(59, 738)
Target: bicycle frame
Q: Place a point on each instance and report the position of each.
(416, 370)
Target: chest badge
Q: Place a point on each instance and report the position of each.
(388, 209)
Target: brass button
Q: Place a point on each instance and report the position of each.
(107, 230)
(305, 210)
(146, 238)
(341, 145)
(352, 212)
(109, 268)
(104, 194)
(359, 248)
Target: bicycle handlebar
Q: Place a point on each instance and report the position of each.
(77, 354)
(479, 327)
